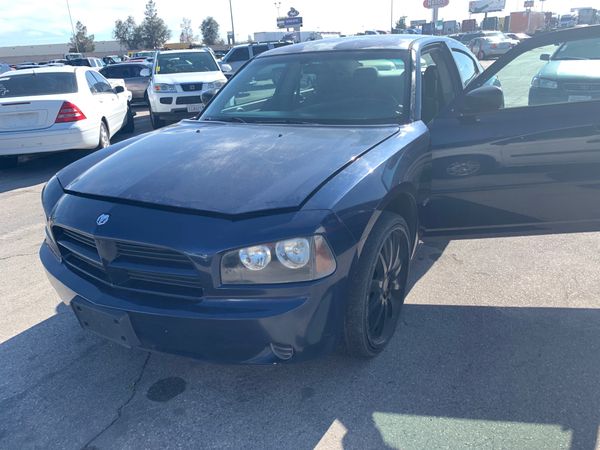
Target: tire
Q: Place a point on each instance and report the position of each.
(9, 162)
(375, 299)
(480, 55)
(104, 137)
(156, 121)
(129, 126)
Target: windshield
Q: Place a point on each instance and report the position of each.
(349, 87)
(186, 62)
(585, 49)
(37, 84)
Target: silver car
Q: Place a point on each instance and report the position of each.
(136, 78)
(490, 46)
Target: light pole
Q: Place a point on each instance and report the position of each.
(72, 28)
(278, 6)
(392, 16)
(232, 27)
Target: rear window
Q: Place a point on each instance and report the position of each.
(37, 84)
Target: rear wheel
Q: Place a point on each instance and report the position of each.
(129, 126)
(377, 288)
(104, 139)
(481, 55)
(8, 162)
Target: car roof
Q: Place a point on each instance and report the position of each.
(49, 69)
(370, 42)
(187, 50)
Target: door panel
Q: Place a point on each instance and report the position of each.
(532, 165)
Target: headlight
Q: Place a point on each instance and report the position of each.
(165, 88)
(288, 261)
(51, 194)
(538, 82)
(213, 85)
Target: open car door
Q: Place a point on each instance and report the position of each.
(519, 150)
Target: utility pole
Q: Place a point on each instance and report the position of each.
(392, 16)
(232, 27)
(73, 28)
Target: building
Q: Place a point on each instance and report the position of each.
(36, 53)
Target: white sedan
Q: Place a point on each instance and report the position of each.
(59, 108)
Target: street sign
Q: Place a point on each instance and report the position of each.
(435, 3)
(529, 3)
(289, 22)
(485, 6)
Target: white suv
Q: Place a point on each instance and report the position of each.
(178, 79)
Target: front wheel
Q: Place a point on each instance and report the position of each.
(481, 55)
(156, 121)
(377, 288)
(129, 126)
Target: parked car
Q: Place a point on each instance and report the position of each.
(4, 68)
(572, 73)
(282, 221)
(112, 59)
(94, 63)
(490, 47)
(239, 55)
(136, 76)
(466, 38)
(179, 77)
(51, 109)
(26, 65)
(520, 37)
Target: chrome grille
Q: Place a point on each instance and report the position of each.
(190, 87)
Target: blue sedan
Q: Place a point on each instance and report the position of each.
(281, 222)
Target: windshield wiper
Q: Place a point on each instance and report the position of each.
(224, 119)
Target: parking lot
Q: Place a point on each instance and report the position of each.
(498, 348)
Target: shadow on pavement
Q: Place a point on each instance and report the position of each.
(453, 376)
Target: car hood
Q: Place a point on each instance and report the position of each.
(227, 168)
(192, 77)
(572, 69)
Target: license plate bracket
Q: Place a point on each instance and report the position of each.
(110, 324)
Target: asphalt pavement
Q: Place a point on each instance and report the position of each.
(498, 347)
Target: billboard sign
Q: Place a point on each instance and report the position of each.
(289, 22)
(435, 3)
(486, 6)
(529, 3)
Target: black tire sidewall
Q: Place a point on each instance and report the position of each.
(356, 340)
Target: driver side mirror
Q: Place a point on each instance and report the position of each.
(226, 68)
(207, 96)
(545, 57)
(119, 89)
(483, 99)
(145, 73)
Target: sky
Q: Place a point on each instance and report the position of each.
(47, 22)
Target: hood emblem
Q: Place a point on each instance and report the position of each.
(102, 219)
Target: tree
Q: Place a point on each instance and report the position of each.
(187, 32)
(129, 34)
(210, 31)
(154, 29)
(400, 25)
(81, 42)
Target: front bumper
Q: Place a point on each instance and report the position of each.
(233, 330)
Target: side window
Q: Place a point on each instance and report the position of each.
(239, 54)
(565, 72)
(467, 67)
(91, 81)
(258, 49)
(102, 86)
(437, 86)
